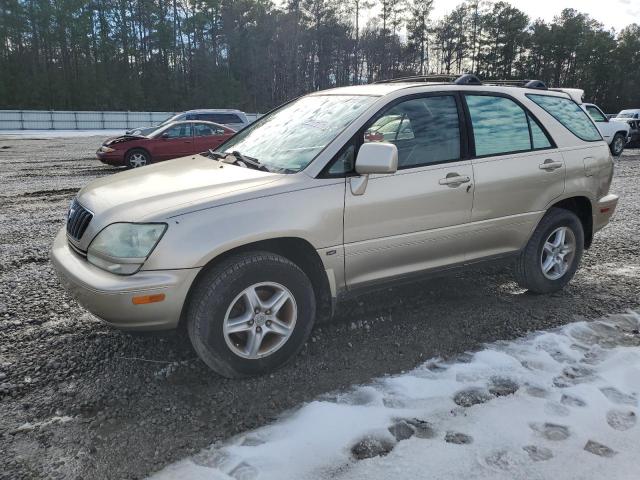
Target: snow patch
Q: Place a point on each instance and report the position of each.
(556, 404)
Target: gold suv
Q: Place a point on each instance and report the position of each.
(334, 193)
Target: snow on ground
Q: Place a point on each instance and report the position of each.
(557, 404)
(46, 134)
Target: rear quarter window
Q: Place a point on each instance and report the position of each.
(569, 114)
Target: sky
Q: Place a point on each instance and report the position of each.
(612, 13)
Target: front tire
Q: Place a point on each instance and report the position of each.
(553, 253)
(251, 314)
(617, 144)
(137, 157)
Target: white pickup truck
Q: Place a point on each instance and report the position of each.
(617, 134)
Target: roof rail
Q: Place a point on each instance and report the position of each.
(467, 79)
(534, 84)
(420, 78)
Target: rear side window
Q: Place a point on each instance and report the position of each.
(538, 137)
(502, 126)
(224, 118)
(569, 114)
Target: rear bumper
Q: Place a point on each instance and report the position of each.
(603, 211)
(109, 296)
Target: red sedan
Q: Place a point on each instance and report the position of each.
(177, 139)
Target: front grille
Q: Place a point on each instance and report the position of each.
(77, 220)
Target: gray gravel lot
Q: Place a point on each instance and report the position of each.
(81, 400)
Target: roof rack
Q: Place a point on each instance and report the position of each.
(467, 79)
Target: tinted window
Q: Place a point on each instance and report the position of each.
(538, 137)
(223, 118)
(178, 131)
(425, 130)
(596, 114)
(499, 125)
(569, 114)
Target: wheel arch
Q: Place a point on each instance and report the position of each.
(295, 249)
(146, 150)
(583, 209)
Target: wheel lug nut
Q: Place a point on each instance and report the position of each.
(268, 312)
(258, 329)
(257, 310)
(268, 324)
(250, 322)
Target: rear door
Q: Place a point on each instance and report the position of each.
(174, 142)
(518, 172)
(411, 220)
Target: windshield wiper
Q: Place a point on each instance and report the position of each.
(237, 158)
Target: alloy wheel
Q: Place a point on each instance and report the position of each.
(137, 160)
(618, 145)
(260, 320)
(558, 253)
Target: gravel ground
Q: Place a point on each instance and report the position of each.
(81, 400)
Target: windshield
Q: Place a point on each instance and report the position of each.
(172, 118)
(289, 138)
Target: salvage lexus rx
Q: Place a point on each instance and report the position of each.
(331, 194)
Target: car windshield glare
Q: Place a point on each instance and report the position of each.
(289, 138)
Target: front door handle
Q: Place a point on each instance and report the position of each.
(454, 180)
(550, 165)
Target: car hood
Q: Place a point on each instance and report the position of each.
(170, 188)
(123, 138)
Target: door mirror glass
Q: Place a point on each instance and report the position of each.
(377, 158)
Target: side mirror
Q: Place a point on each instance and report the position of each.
(165, 135)
(373, 157)
(377, 158)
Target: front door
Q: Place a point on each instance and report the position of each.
(174, 142)
(411, 220)
(518, 173)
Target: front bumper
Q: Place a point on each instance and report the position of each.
(110, 158)
(109, 296)
(603, 211)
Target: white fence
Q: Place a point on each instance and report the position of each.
(81, 120)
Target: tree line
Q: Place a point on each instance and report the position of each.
(255, 54)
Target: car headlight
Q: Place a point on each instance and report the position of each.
(123, 248)
(106, 149)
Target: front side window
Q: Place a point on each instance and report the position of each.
(178, 131)
(596, 114)
(425, 130)
(569, 114)
(500, 125)
(289, 138)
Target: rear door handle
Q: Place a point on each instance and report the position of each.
(454, 180)
(550, 165)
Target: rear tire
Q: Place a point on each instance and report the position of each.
(617, 144)
(250, 314)
(137, 157)
(553, 253)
